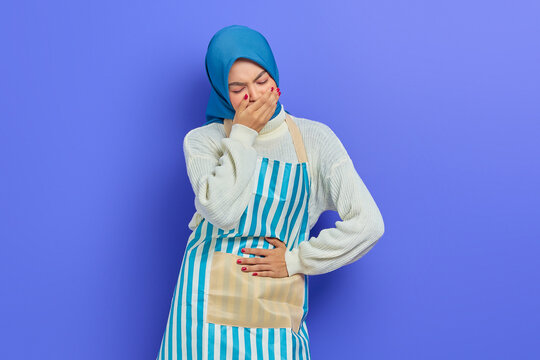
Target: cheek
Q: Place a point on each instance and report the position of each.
(272, 83)
(235, 100)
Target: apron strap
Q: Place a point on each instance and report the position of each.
(295, 134)
(228, 125)
(297, 139)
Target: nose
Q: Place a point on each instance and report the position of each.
(253, 94)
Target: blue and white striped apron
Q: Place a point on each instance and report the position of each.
(278, 208)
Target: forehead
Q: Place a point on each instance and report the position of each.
(244, 69)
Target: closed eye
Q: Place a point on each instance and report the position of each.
(260, 83)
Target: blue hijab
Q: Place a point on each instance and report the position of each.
(225, 47)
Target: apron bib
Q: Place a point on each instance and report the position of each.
(221, 312)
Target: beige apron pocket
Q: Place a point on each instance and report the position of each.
(238, 298)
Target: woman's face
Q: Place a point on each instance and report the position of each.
(247, 77)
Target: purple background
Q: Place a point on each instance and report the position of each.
(436, 102)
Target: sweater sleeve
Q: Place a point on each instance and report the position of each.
(220, 173)
(361, 226)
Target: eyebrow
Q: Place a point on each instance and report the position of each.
(243, 83)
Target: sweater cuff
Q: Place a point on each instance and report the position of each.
(292, 260)
(244, 134)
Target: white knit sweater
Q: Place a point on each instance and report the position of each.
(221, 168)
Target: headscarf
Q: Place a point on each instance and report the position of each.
(225, 47)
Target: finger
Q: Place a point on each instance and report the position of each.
(273, 238)
(256, 251)
(261, 101)
(257, 268)
(272, 102)
(265, 111)
(250, 261)
(268, 110)
(266, 274)
(274, 241)
(244, 103)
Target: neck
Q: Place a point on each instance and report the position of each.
(275, 123)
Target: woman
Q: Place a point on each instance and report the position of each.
(261, 179)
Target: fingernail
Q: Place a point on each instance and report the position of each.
(238, 261)
(243, 268)
(277, 89)
(243, 250)
(254, 274)
(245, 96)
(272, 89)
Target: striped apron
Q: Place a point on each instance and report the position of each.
(220, 312)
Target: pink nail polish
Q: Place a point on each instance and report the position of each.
(238, 261)
(254, 274)
(243, 250)
(243, 268)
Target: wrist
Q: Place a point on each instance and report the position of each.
(292, 260)
(243, 134)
